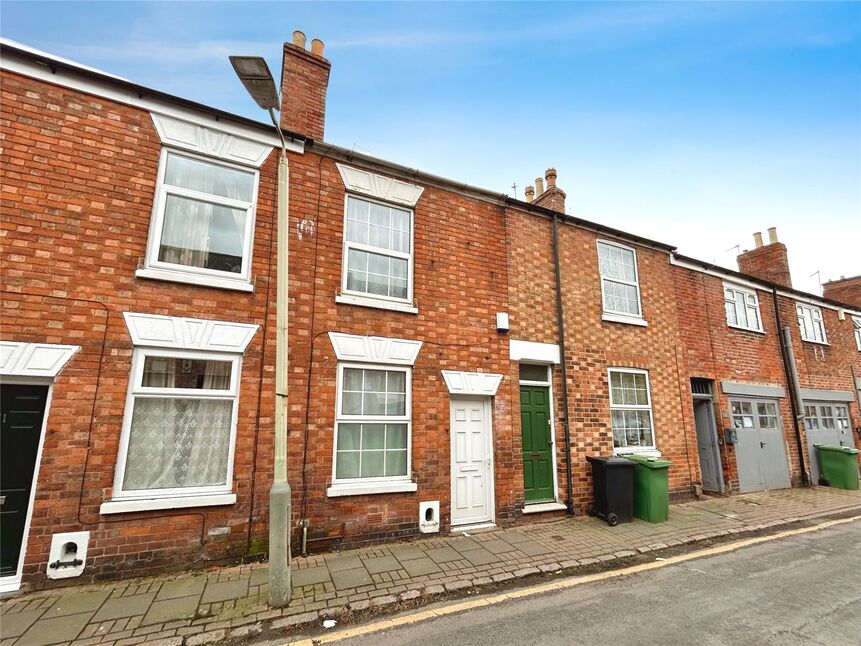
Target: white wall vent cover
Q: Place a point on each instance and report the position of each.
(429, 517)
(68, 556)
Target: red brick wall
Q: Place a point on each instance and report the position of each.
(714, 350)
(460, 285)
(593, 346)
(769, 262)
(845, 290)
(78, 183)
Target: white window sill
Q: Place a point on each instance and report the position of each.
(367, 301)
(746, 329)
(195, 279)
(152, 504)
(544, 506)
(621, 318)
(649, 453)
(338, 490)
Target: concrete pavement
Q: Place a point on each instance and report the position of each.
(219, 603)
(803, 589)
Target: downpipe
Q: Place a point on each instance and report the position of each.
(788, 357)
(560, 324)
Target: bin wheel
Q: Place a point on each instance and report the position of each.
(612, 519)
(590, 510)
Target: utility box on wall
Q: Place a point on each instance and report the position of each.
(68, 555)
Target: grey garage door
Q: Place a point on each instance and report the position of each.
(761, 450)
(826, 423)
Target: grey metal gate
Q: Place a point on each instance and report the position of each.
(761, 450)
(825, 423)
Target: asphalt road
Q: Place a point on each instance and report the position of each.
(804, 589)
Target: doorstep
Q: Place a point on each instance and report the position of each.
(540, 508)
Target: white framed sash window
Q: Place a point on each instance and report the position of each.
(179, 427)
(202, 226)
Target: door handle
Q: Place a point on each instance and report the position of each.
(762, 445)
(2, 500)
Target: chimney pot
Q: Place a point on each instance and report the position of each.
(550, 176)
(539, 185)
(299, 39)
(530, 193)
(772, 235)
(317, 47)
(757, 238)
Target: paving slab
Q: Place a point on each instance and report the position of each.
(464, 545)
(261, 576)
(533, 548)
(498, 546)
(225, 590)
(419, 567)
(444, 554)
(14, 624)
(161, 612)
(121, 607)
(382, 564)
(55, 631)
(351, 578)
(76, 603)
(514, 537)
(181, 588)
(407, 552)
(346, 562)
(481, 557)
(310, 576)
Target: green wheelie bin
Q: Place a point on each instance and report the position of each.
(839, 465)
(651, 488)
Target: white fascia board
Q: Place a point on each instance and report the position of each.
(107, 89)
(533, 351)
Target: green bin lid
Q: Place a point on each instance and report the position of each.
(648, 461)
(840, 449)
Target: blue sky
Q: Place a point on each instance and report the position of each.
(692, 123)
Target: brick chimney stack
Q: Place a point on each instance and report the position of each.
(844, 290)
(552, 197)
(304, 81)
(768, 262)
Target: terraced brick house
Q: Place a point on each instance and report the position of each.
(455, 354)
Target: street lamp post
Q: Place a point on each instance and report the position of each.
(257, 79)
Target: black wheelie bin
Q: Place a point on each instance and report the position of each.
(612, 489)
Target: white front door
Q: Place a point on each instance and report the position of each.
(471, 461)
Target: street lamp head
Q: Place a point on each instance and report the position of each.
(257, 79)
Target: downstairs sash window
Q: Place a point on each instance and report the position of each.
(179, 426)
(372, 429)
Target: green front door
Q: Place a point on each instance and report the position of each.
(537, 445)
